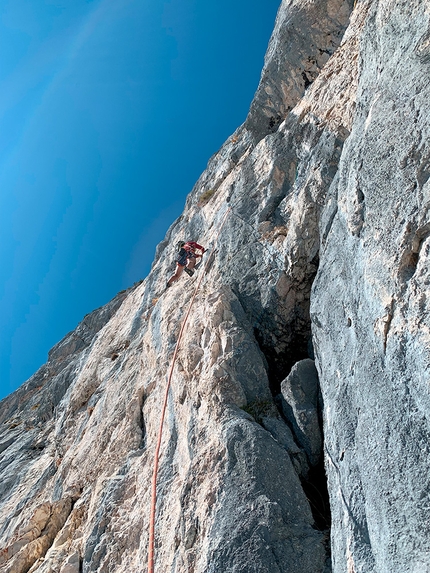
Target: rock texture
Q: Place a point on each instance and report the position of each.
(371, 308)
(308, 342)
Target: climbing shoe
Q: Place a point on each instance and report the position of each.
(189, 272)
(168, 285)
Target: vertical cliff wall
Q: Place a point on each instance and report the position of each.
(370, 304)
(307, 341)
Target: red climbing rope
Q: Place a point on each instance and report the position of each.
(151, 542)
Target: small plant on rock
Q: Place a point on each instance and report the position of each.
(205, 196)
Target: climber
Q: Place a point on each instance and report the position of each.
(186, 260)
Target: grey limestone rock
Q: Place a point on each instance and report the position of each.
(300, 392)
(283, 435)
(370, 306)
(263, 523)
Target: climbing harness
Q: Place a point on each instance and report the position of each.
(151, 541)
(187, 251)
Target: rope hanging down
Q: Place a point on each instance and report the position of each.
(151, 542)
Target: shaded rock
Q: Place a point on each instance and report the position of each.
(300, 407)
(252, 530)
(283, 435)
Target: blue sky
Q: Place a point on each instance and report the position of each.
(109, 112)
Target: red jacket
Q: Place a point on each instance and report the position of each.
(191, 247)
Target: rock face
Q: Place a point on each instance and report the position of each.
(307, 343)
(370, 305)
(300, 407)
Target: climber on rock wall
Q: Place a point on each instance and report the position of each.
(186, 260)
